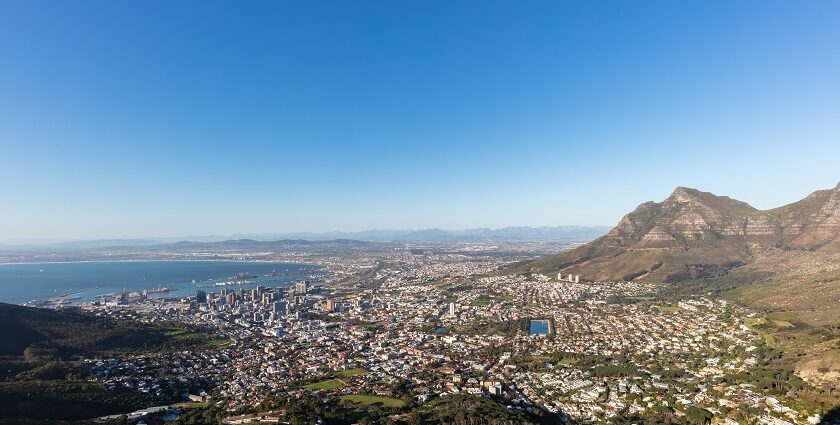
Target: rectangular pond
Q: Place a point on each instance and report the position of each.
(538, 327)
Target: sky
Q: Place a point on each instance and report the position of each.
(124, 119)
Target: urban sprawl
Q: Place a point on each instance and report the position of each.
(416, 324)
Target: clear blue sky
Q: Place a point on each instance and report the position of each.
(136, 119)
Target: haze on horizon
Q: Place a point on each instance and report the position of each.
(154, 119)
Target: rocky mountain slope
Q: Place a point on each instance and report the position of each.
(694, 234)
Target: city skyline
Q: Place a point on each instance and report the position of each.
(154, 119)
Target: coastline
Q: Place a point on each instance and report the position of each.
(157, 261)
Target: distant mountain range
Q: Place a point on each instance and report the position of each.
(692, 233)
(250, 244)
(546, 233)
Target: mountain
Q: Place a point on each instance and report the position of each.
(782, 263)
(694, 234)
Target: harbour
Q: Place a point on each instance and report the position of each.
(63, 284)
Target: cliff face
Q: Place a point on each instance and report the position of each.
(693, 230)
(812, 223)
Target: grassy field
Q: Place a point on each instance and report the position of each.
(756, 325)
(191, 405)
(486, 300)
(784, 319)
(668, 308)
(325, 385)
(373, 400)
(351, 372)
(197, 340)
(568, 361)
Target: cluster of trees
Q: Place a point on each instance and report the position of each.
(614, 370)
(778, 381)
(451, 410)
(702, 271)
(666, 415)
(504, 327)
(465, 409)
(205, 416)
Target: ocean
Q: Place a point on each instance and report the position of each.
(20, 283)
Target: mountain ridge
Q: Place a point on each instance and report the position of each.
(692, 229)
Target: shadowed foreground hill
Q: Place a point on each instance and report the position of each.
(42, 372)
(64, 334)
